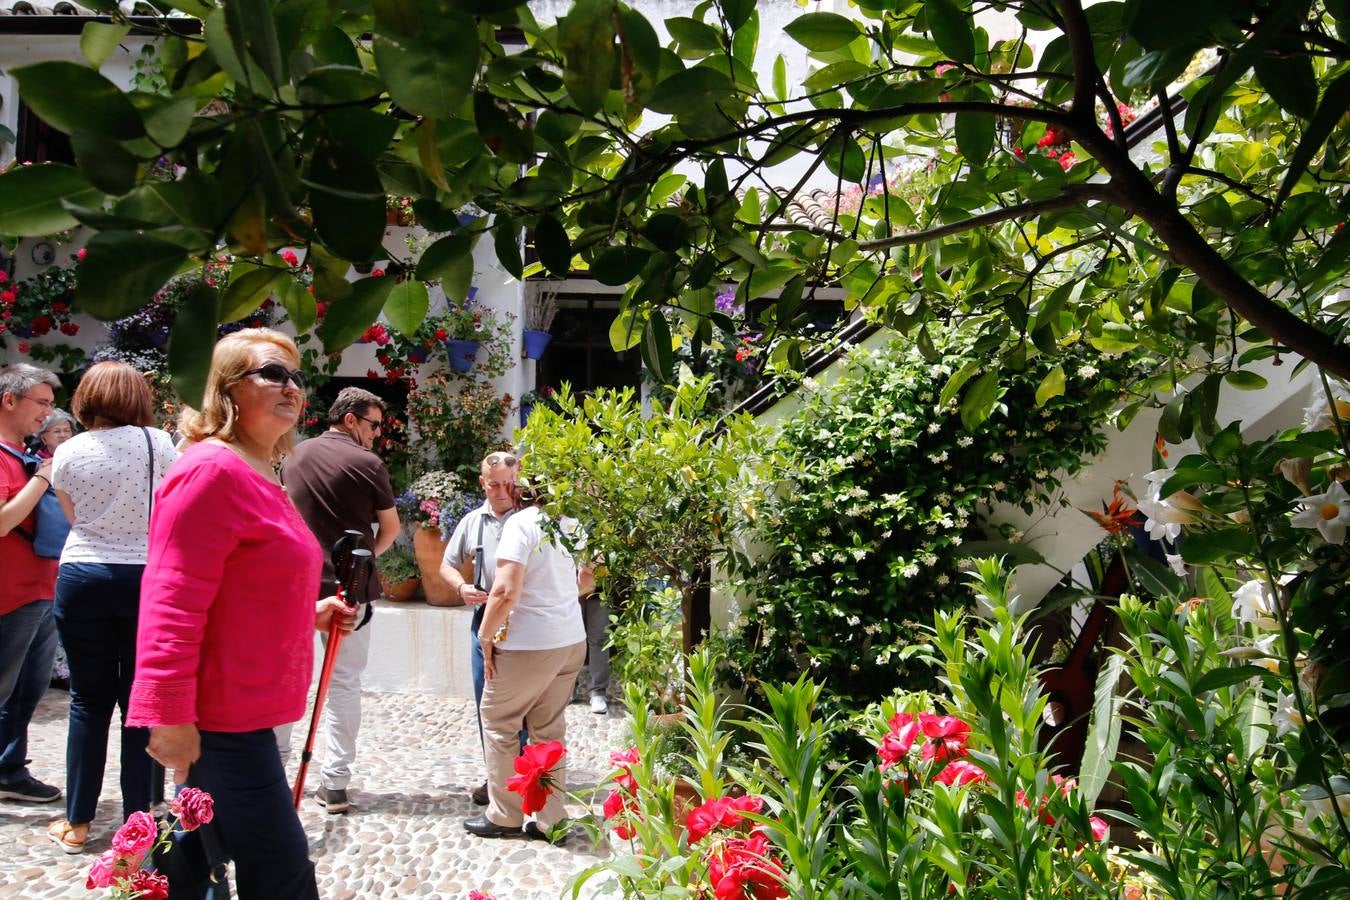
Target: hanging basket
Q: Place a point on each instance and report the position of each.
(525, 410)
(534, 343)
(462, 354)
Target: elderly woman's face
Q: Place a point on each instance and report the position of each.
(268, 407)
(57, 435)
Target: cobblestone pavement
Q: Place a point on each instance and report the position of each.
(418, 758)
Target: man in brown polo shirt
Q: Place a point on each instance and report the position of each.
(338, 484)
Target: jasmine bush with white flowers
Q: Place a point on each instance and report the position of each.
(889, 480)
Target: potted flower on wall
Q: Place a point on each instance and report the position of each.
(399, 573)
(540, 308)
(462, 328)
(531, 399)
(435, 503)
(37, 306)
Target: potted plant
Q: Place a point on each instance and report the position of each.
(399, 211)
(39, 305)
(399, 573)
(540, 308)
(435, 503)
(462, 328)
(530, 399)
(646, 652)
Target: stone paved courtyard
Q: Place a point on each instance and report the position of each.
(418, 759)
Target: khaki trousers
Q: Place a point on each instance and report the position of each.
(534, 687)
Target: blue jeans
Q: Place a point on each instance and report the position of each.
(476, 664)
(255, 816)
(27, 648)
(96, 608)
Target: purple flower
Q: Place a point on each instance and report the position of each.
(725, 302)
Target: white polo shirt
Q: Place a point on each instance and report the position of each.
(547, 615)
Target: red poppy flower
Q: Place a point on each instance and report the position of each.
(534, 779)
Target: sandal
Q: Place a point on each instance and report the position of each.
(70, 838)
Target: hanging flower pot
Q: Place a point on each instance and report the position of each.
(462, 354)
(525, 410)
(535, 342)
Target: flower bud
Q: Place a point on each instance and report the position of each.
(1296, 470)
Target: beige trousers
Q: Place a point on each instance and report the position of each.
(534, 687)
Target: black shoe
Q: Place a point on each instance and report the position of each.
(535, 833)
(332, 799)
(479, 795)
(482, 826)
(29, 790)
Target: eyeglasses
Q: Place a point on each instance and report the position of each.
(276, 373)
(377, 424)
(500, 459)
(45, 404)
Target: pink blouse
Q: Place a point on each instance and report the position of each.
(226, 635)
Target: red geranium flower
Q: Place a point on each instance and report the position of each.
(947, 736)
(744, 867)
(534, 779)
(620, 806)
(719, 812)
(289, 257)
(896, 745)
(961, 772)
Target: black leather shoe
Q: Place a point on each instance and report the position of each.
(536, 833)
(479, 795)
(482, 826)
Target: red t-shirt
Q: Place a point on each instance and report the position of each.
(28, 577)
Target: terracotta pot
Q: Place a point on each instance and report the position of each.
(401, 591)
(429, 548)
(687, 797)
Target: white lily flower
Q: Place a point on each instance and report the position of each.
(1329, 513)
(1317, 416)
(1164, 517)
(1287, 717)
(1253, 603)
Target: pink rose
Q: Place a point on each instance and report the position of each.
(137, 835)
(103, 872)
(194, 808)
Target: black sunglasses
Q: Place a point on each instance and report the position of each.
(377, 424)
(276, 373)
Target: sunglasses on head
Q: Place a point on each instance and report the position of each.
(276, 373)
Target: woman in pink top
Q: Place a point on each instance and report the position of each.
(225, 647)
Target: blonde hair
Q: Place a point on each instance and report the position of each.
(233, 357)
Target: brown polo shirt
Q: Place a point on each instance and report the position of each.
(337, 485)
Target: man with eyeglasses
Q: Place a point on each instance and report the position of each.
(338, 484)
(27, 629)
(475, 541)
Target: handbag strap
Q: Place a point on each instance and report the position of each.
(150, 484)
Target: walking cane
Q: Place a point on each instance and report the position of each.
(352, 565)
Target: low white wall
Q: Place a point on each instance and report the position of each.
(420, 649)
